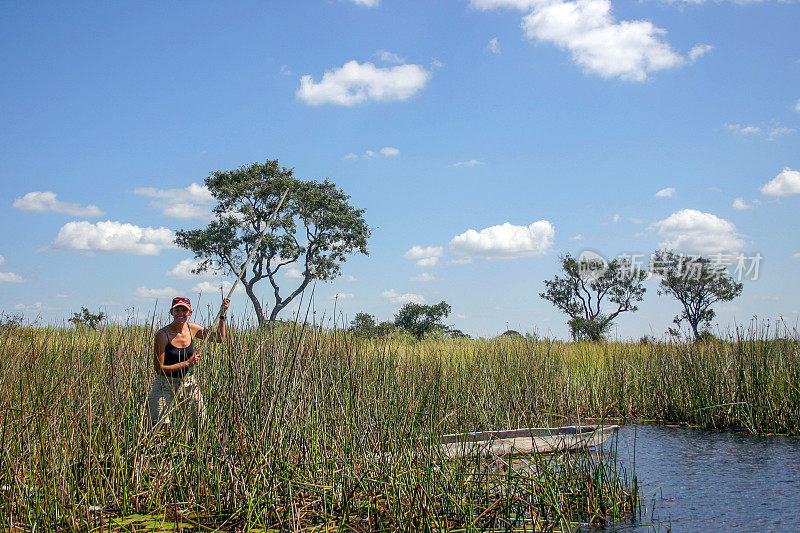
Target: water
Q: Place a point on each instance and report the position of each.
(695, 480)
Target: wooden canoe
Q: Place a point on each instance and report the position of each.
(525, 441)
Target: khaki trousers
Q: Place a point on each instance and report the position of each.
(170, 393)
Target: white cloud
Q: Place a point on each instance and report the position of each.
(2, 259)
(193, 201)
(505, 241)
(36, 307)
(796, 256)
(367, 3)
(285, 70)
(669, 192)
(699, 51)
(739, 203)
(212, 287)
(184, 269)
(428, 261)
(388, 151)
(398, 298)
(629, 50)
(388, 57)
(615, 219)
(111, 236)
(635, 220)
(293, 273)
(418, 252)
(696, 232)
(47, 201)
(348, 278)
(462, 261)
(342, 296)
(423, 277)
(10, 277)
(470, 163)
(770, 132)
(494, 46)
(797, 105)
(355, 83)
(426, 256)
(167, 293)
(578, 237)
(785, 183)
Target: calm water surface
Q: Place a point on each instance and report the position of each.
(697, 480)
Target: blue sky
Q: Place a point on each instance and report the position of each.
(484, 138)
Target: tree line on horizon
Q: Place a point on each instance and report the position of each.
(317, 228)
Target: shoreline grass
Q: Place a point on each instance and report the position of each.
(315, 429)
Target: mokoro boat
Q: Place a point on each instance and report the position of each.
(525, 441)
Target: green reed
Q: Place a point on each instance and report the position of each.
(319, 430)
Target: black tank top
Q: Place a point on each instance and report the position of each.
(173, 355)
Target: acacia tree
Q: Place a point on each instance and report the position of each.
(315, 229)
(586, 283)
(697, 283)
(418, 319)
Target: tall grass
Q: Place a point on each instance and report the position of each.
(318, 430)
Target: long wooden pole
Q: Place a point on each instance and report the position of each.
(252, 253)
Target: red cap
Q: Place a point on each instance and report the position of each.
(180, 301)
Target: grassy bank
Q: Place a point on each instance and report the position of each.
(321, 430)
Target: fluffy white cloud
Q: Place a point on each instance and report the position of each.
(193, 201)
(293, 273)
(388, 151)
(47, 201)
(36, 307)
(211, 287)
(696, 232)
(367, 3)
(10, 277)
(406, 298)
(425, 256)
(342, 296)
(355, 83)
(494, 46)
(615, 219)
(184, 269)
(578, 237)
(111, 236)
(388, 57)
(666, 193)
(470, 163)
(699, 51)
(2, 259)
(740, 204)
(771, 132)
(167, 293)
(797, 105)
(424, 277)
(629, 50)
(419, 252)
(505, 241)
(787, 182)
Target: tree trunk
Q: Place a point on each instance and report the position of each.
(248, 287)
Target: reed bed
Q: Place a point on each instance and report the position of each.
(319, 430)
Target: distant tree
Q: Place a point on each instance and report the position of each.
(385, 328)
(86, 318)
(316, 229)
(697, 283)
(363, 325)
(10, 322)
(419, 320)
(586, 283)
(456, 334)
(512, 334)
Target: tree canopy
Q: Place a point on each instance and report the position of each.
(315, 229)
(418, 319)
(697, 283)
(587, 282)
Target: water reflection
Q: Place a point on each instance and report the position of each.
(710, 481)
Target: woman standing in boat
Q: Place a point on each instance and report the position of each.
(174, 358)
